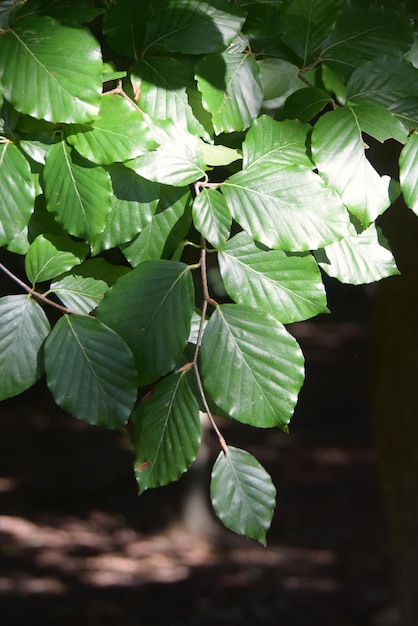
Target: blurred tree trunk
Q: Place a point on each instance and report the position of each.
(394, 402)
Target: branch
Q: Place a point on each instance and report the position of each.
(36, 294)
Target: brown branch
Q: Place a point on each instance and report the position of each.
(36, 294)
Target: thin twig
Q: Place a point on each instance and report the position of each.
(36, 294)
(208, 411)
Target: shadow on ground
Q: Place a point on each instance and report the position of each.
(78, 547)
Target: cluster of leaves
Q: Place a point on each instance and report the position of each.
(136, 139)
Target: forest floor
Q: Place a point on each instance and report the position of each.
(78, 547)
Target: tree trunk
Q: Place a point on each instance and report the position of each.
(394, 402)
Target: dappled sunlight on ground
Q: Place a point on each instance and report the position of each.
(77, 545)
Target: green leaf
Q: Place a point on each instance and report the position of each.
(51, 71)
(194, 27)
(166, 432)
(77, 192)
(71, 12)
(304, 104)
(364, 32)
(339, 153)
(242, 493)
(90, 371)
(119, 133)
(379, 123)
(178, 161)
(133, 203)
(390, 82)
(359, 260)
(163, 82)
(307, 24)
(288, 208)
(217, 155)
(23, 329)
(79, 293)
(412, 54)
(212, 217)
(167, 229)
(50, 255)
(124, 26)
(276, 144)
(151, 308)
(251, 366)
(279, 78)
(17, 192)
(231, 90)
(288, 286)
(408, 174)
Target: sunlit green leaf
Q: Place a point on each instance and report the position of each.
(339, 152)
(251, 366)
(90, 371)
(279, 79)
(242, 493)
(23, 329)
(359, 260)
(288, 286)
(212, 217)
(166, 432)
(51, 71)
(231, 90)
(78, 293)
(119, 133)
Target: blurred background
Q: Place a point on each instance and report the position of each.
(78, 546)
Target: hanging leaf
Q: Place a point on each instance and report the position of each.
(231, 90)
(212, 217)
(51, 71)
(408, 175)
(50, 255)
(242, 493)
(194, 27)
(339, 153)
(119, 133)
(162, 82)
(287, 286)
(17, 192)
(151, 308)
(23, 329)
(133, 204)
(359, 260)
(90, 371)
(166, 432)
(251, 366)
(77, 192)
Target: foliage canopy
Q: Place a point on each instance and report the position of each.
(139, 140)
